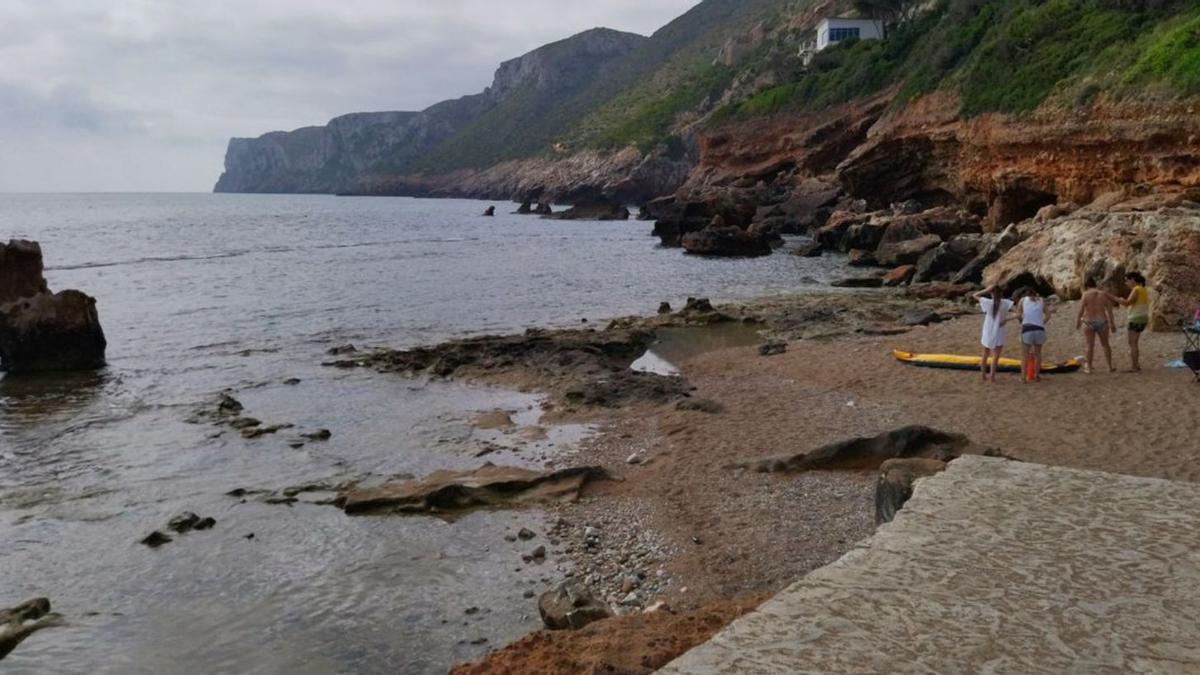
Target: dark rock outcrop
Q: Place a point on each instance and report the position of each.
(592, 209)
(490, 211)
(727, 242)
(18, 623)
(487, 486)
(870, 453)
(39, 330)
(571, 607)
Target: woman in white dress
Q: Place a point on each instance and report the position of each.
(995, 314)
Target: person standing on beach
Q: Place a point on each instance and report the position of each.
(995, 314)
(1096, 318)
(1033, 316)
(1138, 303)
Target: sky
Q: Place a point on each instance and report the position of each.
(143, 95)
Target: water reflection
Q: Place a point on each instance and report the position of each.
(673, 346)
(29, 399)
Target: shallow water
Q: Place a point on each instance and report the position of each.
(200, 293)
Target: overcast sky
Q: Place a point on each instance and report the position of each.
(142, 95)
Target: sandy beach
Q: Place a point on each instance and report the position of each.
(736, 534)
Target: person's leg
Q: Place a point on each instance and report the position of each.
(996, 360)
(1134, 349)
(1037, 362)
(1107, 346)
(983, 364)
(1026, 371)
(1090, 336)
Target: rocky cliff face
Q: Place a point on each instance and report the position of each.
(360, 149)
(1011, 166)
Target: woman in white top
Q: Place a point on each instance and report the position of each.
(1033, 316)
(995, 314)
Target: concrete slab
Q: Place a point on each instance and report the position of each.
(994, 567)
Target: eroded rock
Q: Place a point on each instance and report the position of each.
(571, 607)
(18, 623)
(869, 453)
(487, 486)
(40, 330)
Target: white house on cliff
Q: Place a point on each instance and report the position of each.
(833, 30)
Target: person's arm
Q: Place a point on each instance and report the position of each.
(1019, 308)
(1127, 302)
(1112, 322)
(983, 294)
(1079, 317)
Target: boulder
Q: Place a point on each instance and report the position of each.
(18, 623)
(525, 208)
(489, 485)
(544, 209)
(40, 330)
(571, 607)
(900, 275)
(894, 254)
(870, 452)
(594, 209)
(726, 242)
(833, 232)
(861, 258)
(895, 484)
(489, 211)
(864, 235)
(943, 261)
(991, 248)
(920, 317)
(1162, 243)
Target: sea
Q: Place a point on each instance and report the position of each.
(200, 294)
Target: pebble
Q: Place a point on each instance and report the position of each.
(635, 459)
(525, 534)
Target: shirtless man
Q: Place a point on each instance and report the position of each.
(1096, 318)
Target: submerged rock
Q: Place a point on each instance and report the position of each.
(571, 607)
(489, 485)
(489, 211)
(870, 453)
(18, 623)
(40, 330)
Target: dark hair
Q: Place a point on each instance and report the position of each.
(1137, 278)
(1090, 282)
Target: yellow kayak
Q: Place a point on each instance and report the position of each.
(956, 362)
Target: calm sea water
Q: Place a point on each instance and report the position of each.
(201, 293)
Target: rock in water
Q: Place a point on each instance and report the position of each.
(571, 607)
(489, 485)
(490, 211)
(40, 330)
(18, 623)
(726, 241)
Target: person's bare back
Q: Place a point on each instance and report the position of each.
(1096, 318)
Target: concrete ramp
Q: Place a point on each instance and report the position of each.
(994, 567)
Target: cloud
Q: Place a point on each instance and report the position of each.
(103, 86)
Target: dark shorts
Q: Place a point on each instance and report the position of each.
(1138, 326)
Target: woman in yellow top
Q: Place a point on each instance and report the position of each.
(1138, 303)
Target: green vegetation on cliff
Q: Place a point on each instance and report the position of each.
(1008, 56)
